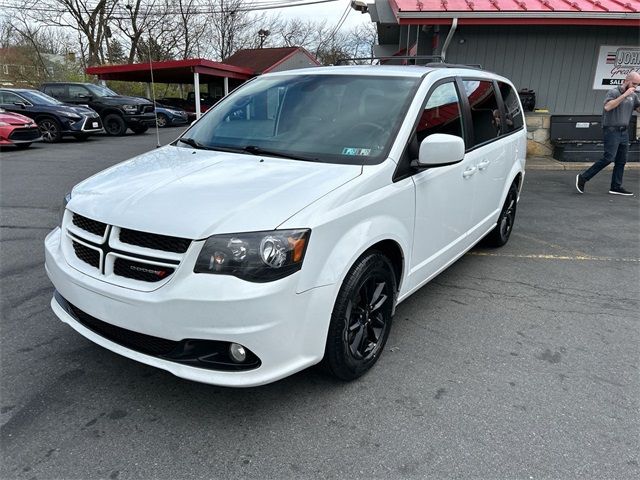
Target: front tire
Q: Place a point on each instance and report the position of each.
(361, 318)
(114, 125)
(163, 121)
(499, 236)
(50, 129)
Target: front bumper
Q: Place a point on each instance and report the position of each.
(148, 119)
(285, 330)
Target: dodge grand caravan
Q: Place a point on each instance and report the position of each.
(282, 228)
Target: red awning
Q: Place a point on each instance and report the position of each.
(518, 12)
(172, 71)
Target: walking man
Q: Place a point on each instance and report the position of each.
(619, 105)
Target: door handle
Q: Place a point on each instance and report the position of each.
(483, 165)
(469, 171)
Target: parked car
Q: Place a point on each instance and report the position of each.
(117, 112)
(170, 116)
(54, 119)
(17, 130)
(282, 229)
(189, 104)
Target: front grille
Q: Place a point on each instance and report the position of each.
(144, 272)
(91, 226)
(154, 241)
(127, 338)
(22, 134)
(86, 254)
(88, 124)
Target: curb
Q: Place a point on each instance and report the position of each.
(548, 163)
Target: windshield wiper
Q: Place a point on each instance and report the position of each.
(193, 143)
(255, 150)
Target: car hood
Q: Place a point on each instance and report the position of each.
(123, 100)
(14, 118)
(62, 109)
(196, 193)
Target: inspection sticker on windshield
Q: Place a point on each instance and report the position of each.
(356, 151)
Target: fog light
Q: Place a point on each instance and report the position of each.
(237, 352)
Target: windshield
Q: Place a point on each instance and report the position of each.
(100, 91)
(39, 98)
(327, 118)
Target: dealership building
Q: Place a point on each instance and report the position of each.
(565, 52)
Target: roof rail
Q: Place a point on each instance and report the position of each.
(474, 66)
(432, 58)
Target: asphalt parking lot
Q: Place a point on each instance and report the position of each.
(517, 363)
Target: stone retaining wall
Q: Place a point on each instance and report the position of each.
(538, 128)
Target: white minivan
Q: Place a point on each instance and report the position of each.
(282, 228)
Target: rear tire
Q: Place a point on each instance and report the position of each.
(50, 129)
(499, 236)
(361, 318)
(114, 125)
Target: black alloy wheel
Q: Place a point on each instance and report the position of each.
(499, 236)
(361, 318)
(50, 130)
(163, 121)
(114, 125)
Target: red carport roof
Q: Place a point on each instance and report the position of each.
(518, 12)
(172, 71)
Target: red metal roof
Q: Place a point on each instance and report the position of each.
(172, 71)
(262, 60)
(478, 12)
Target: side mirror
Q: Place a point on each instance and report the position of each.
(21, 105)
(86, 97)
(438, 150)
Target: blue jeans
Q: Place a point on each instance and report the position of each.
(616, 148)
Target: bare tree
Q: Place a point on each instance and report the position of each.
(89, 18)
(229, 24)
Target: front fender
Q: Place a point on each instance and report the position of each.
(348, 230)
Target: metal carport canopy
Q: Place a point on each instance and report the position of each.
(173, 71)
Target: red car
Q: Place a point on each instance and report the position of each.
(17, 130)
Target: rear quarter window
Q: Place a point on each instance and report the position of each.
(54, 90)
(512, 108)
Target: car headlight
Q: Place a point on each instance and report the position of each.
(73, 116)
(65, 200)
(129, 108)
(255, 256)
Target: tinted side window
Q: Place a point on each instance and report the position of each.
(56, 91)
(8, 98)
(485, 113)
(442, 113)
(512, 107)
(78, 91)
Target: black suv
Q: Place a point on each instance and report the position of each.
(117, 112)
(54, 119)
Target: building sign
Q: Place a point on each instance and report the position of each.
(615, 63)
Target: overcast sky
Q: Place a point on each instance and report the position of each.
(330, 11)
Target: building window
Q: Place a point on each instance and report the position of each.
(485, 113)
